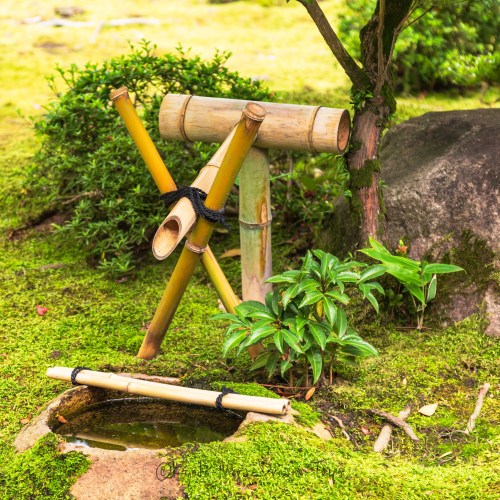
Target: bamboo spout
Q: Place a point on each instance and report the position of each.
(182, 216)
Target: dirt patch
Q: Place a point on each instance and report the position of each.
(42, 224)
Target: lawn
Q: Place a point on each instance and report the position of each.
(96, 321)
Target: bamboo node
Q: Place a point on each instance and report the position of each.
(255, 225)
(182, 116)
(195, 248)
(254, 111)
(310, 131)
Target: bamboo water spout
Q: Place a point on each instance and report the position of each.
(288, 126)
(244, 135)
(171, 392)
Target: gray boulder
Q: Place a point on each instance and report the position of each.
(443, 196)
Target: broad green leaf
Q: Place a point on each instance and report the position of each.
(330, 310)
(318, 334)
(308, 285)
(416, 291)
(260, 361)
(311, 298)
(253, 305)
(324, 265)
(278, 340)
(233, 341)
(341, 297)
(405, 276)
(289, 294)
(378, 246)
(348, 277)
(441, 268)
(341, 322)
(371, 272)
(316, 361)
(285, 366)
(359, 348)
(292, 340)
(260, 333)
(431, 291)
(271, 363)
(396, 260)
(373, 301)
(286, 277)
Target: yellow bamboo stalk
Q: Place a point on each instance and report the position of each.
(165, 183)
(244, 135)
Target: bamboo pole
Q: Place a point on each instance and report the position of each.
(171, 392)
(255, 225)
(182, 216)
(288, 126)
(165, 183)
(244, 135)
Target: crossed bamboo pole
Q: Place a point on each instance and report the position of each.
(197, 243)
(165, 183)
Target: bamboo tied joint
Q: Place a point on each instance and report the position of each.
(181, 394)
(240, 143)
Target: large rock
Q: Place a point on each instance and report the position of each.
(443, 195)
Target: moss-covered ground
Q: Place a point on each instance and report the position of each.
(95, 321)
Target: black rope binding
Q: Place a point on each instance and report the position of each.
(197, 197)
(75, 372)
(218, 401)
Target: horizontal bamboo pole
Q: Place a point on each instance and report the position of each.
(244, 135)
(182, 216)
(287, 126)
(171, 392)
(165, 183)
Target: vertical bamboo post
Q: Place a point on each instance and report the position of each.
(165, 183)
(244, 135)
(255, 225)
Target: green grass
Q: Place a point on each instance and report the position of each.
(97, 322)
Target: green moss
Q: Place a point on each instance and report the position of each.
(363, 177)
(279, 461)
(41, 472)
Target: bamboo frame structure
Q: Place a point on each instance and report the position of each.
(182, 216)
(244, 135)
(165, 183)
(287, 126)
(171, 392)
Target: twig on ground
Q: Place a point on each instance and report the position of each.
(398, 422)
(342, 427)
(471, 424)
(385, 434)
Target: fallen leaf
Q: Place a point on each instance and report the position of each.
(61, 419)
(405, 381)
(365, 430)
(40, 310)
(26, 420)
(310, 393)
(234, 252)
(428, 410)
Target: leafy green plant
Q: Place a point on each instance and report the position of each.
(418, 278)
(303, 321)
(454, 44)
(89, 166)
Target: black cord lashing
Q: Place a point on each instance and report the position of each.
(218, 401)
(197, 198)
(75, 372)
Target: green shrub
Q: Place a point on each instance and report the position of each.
(452, 45)
(88, 163)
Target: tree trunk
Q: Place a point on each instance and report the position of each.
(364, 168)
